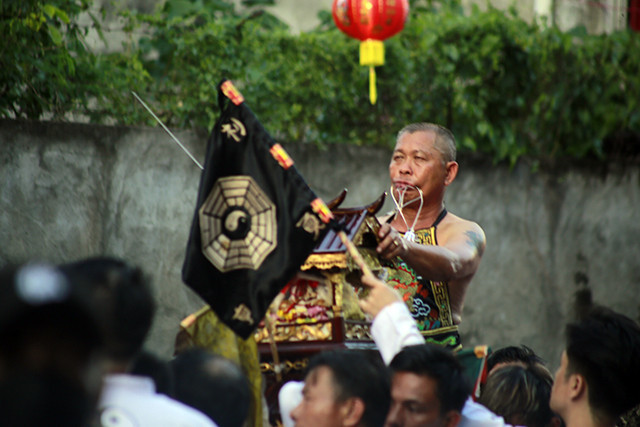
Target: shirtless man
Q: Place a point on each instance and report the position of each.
(439, 252)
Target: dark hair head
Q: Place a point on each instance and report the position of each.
(147, 364)
(212, 384)
(445, 140)
(604, 347)
(121, 296)
(358, 374)
(439, 364)
(49, 337)
(30, 398)
(39, 306)
(522, 354)
(520, 395)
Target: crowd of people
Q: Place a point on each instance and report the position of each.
(72, 354)
(72, 340)
(594, 386)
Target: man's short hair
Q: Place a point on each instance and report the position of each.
(439, 364)
(445, 140)
(519, 394)
(510, 354)
(604, 347)
(122, 298)
(361, 375)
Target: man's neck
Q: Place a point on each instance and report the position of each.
(427, 216)
(583, 417)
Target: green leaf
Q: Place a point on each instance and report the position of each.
(49, 10)
(55, 35)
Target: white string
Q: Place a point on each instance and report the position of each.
(166, 129)
(410, 234)
(398, 208)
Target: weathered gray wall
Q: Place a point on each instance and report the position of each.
(68, 191)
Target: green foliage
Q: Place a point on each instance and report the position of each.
(505, 87)
(39, 57)
(46, 68)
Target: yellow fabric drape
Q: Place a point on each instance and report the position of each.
(205, 330)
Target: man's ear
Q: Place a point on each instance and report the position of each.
(452, 418)
(352, 411)
(452, 172)
(577, 386)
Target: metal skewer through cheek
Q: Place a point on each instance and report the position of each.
(410, 235)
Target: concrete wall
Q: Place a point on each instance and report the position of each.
(69, 191)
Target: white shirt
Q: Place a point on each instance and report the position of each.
(393, 329)
(129, 400)
(477, 415)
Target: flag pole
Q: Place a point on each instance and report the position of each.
(167, 130)
(353, 251)
(268, 324)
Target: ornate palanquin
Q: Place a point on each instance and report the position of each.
(318, 309)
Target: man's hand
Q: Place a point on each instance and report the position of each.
(392, 244)
(380, 295)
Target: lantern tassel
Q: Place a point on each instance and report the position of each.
(373, 93)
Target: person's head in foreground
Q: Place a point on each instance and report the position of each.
(49, 357)
(123, 301)
(428, 388)
(519, 394)
(597, 380)
(212, 384)
(513, 355)
(343, 388)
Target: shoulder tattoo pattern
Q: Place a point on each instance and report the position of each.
(475, 240)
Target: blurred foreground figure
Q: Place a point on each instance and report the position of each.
(124, 303)
(212, 384)
(48, 357)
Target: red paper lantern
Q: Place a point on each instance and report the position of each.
(371, 22)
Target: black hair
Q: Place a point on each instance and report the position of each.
(212, 384)
(147, 364)
(513, 354)
(604, 347)
(358, 374)
(122, 298)
(441, 365)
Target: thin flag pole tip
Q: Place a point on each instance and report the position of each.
(167, 130)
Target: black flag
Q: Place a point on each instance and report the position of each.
(255, 222)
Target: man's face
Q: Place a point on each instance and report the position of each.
(414, 402)
(560, 389)
(417, 162)
(318, 407)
